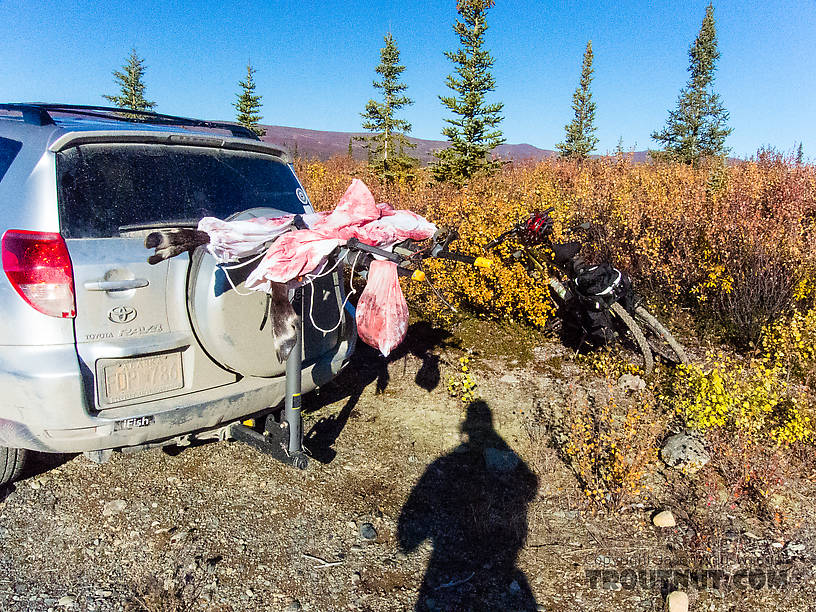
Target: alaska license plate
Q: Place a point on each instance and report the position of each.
(127, 379)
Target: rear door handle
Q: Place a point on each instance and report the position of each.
(116, 285)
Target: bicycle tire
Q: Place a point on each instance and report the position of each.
(638, 336)
(674, 351)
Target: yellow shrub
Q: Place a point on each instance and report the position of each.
(732, 242)
(791, 343)
(505, 290)
(754, 398)
(609, 450)
(609, 361)
(462, 384)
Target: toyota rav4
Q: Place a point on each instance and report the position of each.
(101, 351)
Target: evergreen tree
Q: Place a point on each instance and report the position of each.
(800, 154)
(697, 127)
(132, 87)
(350, 150)
(580, 137)
(387, 144)
(249, 104)
(619, 150)
(473, 132)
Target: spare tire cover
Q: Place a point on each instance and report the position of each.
(227, 317)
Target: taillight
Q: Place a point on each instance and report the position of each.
(39, 268)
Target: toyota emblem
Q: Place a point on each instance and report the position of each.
(122, 314)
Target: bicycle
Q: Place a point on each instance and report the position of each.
(595, 302)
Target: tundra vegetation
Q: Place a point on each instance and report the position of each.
(723, 252)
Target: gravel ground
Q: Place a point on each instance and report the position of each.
(408, 509)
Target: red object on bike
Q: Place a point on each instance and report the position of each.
(537, 228)
(382, 312)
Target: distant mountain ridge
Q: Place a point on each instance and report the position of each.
(323, 145)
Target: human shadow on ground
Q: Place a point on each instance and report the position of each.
(472, 506)
(369, 366)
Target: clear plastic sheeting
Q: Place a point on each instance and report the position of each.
(382, 312)
(291, 254)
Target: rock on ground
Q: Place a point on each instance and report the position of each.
(664, 519)
(677, 601)
(684, 452)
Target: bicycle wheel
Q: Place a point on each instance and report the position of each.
(660, 339)
(637, 336)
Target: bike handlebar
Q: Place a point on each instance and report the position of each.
(468, 259)
(356, 245)
(501, 238)
(439, 251)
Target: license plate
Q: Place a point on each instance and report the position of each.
(128, 379)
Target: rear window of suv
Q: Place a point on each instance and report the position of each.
(103, 187)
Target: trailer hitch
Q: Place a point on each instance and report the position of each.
(283, 440)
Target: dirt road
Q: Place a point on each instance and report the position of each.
(414, 498)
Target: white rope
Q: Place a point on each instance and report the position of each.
(236, 266)
(351, 292)
(241, 264)
(310, 278)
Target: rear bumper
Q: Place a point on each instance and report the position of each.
(44, 413)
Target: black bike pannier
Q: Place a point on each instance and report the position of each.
(598, 287)
(597, 326)
(602, 285)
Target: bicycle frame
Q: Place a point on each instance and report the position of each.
(553, 281)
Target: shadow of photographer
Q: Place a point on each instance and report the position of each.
(472, 506)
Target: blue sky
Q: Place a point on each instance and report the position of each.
(316, 61)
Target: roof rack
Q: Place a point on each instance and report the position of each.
(39, 113)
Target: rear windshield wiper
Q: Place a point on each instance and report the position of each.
(147, 225)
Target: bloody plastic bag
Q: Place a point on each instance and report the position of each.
(382, 312)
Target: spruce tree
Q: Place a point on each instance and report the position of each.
(132, 86)
(387, 144)
(697, 127)
(800, 154)
(619, 150)
(473, 132)
(249, 104)
(580, 138)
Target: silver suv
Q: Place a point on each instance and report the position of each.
(100, 350)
